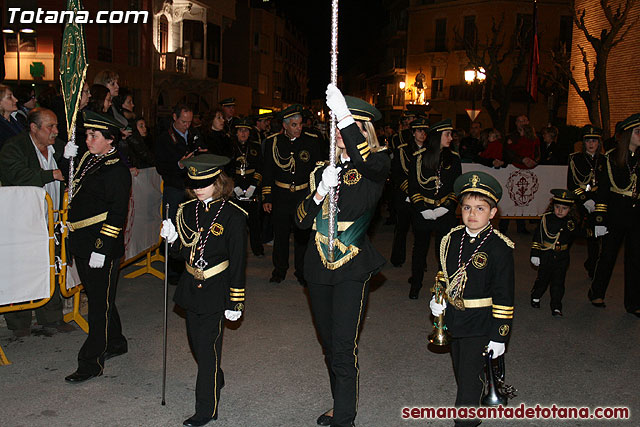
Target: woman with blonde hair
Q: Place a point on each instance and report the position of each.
(339, 282)
(9, 126)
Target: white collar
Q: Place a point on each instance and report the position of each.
(472, 234)
(344, 158)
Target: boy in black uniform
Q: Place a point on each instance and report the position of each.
(550, 248)
(211, 237)
(477, 262)
(289, 159)
(582, 179)
(97, 216)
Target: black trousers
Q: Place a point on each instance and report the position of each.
(468, 366)
(283, 220)
(629, 233)
(593, 253)
(551, 274)
(422, 230)
(403, 222)
(49, 313)
(205, 335)
(253, 208)
(105, 330)
(338, 310)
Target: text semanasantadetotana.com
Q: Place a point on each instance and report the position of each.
(518, 412)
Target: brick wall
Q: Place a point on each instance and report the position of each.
(623, 68)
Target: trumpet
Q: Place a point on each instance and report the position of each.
(439, 336)
(496, 392)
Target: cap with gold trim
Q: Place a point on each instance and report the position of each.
(101, 122)
(478, 182)
(630, 122)
(563, 197)
(290, 111)
(419, 123)
(591, 132)
(265, 116)
(203, 170)
(227, 102)
(361, 110)
(441, 126)
(243, 123)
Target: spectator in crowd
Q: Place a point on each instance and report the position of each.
(141, 145)
(173, 146)
(9, 126)
(26, 96)
(124, 103)
(470, 145)
(110, 80)
(217, 141)
(228, 106)
(550, 151)
(100, 99)
(523, 146)
(50, 98)
(34, 158)
(491, 149)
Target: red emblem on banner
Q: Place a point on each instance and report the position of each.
(522, 185)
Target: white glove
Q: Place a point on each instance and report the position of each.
(168, 231)
(337, 104)
(329, 179)
(232, 315)
(428, 214)
(437, 309)
(239, 191)
(589, 205)
(250, 191)
(535, 261)
(96, 260)
(600, 230)
(70, 150)
(438, 212)
(497, 347)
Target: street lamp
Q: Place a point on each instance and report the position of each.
(472, 76)
(24, 31)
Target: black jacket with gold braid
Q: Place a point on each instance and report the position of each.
(400, 169)
(225, 253)
(423, 189)
(553, 236)
(583, 176)
(99, 207)
(287, 166)
(248, 155)
(617, 198)
(489, 290)
(362, 179)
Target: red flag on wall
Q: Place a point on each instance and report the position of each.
(532, 75)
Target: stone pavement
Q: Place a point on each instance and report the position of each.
(274, 369)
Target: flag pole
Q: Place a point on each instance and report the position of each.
(332, 126)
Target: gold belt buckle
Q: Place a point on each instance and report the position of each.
(292, 188)
(198, 274)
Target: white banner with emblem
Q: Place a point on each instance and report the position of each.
(142, 230)
(24, 245)
(525, 192)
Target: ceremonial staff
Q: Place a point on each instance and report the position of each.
(332, 125)
(164, 323)
(73, 71)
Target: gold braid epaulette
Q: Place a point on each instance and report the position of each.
(238, 207)
(444, 247)
(504, 238)
(312, 176)
(183, 228)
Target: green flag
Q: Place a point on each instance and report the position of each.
(73, 66)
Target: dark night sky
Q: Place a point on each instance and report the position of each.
(359, 24)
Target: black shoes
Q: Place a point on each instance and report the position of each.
(324, 419)
(301, 279)
(596, 302)
(414, 293)
(535, 303)
(78, 377)
(556, 312)
(196, 421)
